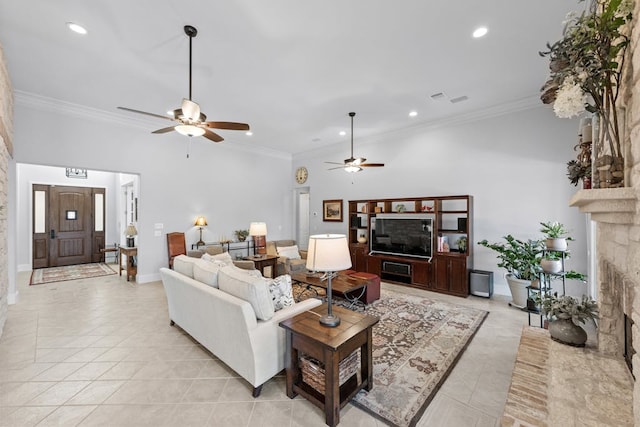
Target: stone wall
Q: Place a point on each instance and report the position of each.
(6, 150)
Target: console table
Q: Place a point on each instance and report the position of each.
(129, 254)
(329, 346)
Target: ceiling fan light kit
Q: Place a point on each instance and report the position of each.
(354, 164)
(191, 121)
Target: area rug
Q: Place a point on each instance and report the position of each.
(69, 272)
(416, 343)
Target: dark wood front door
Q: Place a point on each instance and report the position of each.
(66, 233)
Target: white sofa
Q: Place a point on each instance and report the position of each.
(227, 325)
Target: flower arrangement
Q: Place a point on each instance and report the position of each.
(586, 71)
(567, 307)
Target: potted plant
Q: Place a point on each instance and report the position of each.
(551, 262)
(521, 259)
(565, 313)
(555, 235)
(241, 235)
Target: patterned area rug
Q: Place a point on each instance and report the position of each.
(415, 345)
(70, 272)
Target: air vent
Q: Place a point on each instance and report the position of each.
(459, 99)
(438, 96)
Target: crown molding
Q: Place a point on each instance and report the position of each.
(52, 105)
(449, 121)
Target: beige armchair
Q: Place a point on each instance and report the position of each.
(215, 250)
(287, 265)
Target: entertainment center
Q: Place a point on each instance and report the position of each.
(421, 242)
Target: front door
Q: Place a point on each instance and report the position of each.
(68, 225)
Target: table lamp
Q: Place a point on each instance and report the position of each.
(200, 222)
(131, 232)
(258, 230)
(328, 253)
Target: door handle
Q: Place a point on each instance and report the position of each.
(53, 234)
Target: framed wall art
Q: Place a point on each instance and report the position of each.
(332, 210)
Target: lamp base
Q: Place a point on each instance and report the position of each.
(200, 243)
(330, 320)
(131, 242)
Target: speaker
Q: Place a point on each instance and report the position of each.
(481, 283)
(462, 225)
(396, 268)
(355, 222)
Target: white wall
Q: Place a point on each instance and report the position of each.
(514, 166)
(27, 175)
(229, 185)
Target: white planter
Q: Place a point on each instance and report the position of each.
(559, 244)
(518, 290)
(551, 266)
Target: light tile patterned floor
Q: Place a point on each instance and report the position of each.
(101, 352)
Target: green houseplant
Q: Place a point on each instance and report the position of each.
(521, 259)
(556, 235)
(565, 313)
(241, 235)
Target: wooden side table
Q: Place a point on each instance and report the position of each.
(129, 255)
(262, 261)
(306, 335)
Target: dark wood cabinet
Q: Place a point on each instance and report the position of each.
(358, 257)
(451, 275)
(446, 270)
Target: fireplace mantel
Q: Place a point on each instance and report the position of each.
(611, 205)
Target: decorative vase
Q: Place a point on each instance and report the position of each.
(586, 183)
(557, 244)
(608, 163)
(567, 332)
(362, 239)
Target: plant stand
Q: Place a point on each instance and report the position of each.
(545, 287)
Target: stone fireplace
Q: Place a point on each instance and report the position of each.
(617, 214)
(6, 150)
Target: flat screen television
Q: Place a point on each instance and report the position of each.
(402, 234)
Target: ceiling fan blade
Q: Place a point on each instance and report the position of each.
(164, 130)
(334, 163)
(146, 114)
(337, 167)
(212, 136)
(227, 125)
(371, 165)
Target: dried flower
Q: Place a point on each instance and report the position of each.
(570, 99)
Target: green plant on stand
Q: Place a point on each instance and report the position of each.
(556, 235)
(521, 259)
(565, 313)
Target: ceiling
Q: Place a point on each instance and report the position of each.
(291, 69)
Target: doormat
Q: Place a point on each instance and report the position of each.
(70, 272)
(416, 344)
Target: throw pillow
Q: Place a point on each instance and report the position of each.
(184, 265)
(281, 292)
(223, 258)
(290, 252)
(254, 290)
(206, 272)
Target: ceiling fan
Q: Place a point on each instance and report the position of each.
(354, 164)
(191, 121)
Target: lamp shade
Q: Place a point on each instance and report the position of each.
(328, 252)
(131, 230)
(201, 221)
(258, 229)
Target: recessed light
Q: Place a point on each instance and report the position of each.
(249, 133)
(342, 133)
(480, 31)
(76, 28)
(413, 114)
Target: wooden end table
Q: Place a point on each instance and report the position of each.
(130, 255)
(306, 335)
(263, 261)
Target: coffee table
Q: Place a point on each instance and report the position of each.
(329, 346)
(348, 287)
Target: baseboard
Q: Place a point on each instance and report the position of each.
(12, 297)
(24, 267)
(147, 278)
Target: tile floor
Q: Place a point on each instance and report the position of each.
(101, 352)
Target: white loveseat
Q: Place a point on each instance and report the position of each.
(227, 325)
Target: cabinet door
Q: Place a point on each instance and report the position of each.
(442, 266)
(458, 278)
(374, 265)
(422, 275)
(358, 261)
